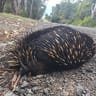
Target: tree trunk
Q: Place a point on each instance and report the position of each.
(14, 6)
(31, 9)
(2, 2)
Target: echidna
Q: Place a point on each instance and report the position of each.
(52, 49)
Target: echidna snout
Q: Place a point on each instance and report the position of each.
(53, 49)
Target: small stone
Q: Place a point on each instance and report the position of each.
(9, 93)
(29, 94)
(39, 76)
(25, 83)
(46, 91)
(29, 90)
(89, 70)
(35, 89)
(81, 91)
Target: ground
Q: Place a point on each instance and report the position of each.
(78, 82)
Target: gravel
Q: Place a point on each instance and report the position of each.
(78, 82)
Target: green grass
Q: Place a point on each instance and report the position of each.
(87, 22)
(8, 15)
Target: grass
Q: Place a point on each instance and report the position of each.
(8, 15)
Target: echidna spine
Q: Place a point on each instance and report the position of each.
(53, 49)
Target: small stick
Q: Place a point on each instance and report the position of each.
(6, 69)
(15, 81)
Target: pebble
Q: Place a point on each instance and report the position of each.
(24, 84)
(10, 93)
(30, 91)
(46, 92)
(35, 89)
(81, 91)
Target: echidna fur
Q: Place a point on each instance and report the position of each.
(52, 49)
